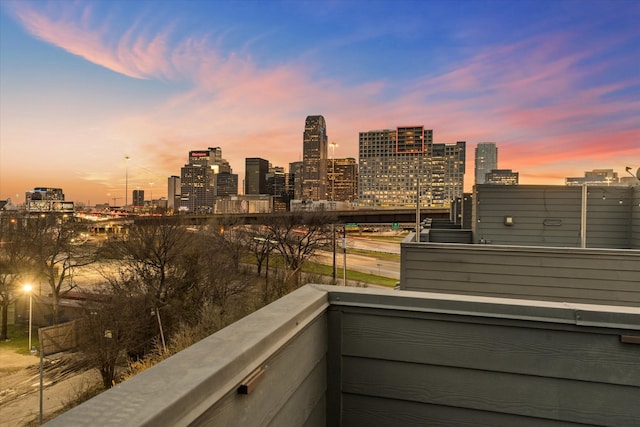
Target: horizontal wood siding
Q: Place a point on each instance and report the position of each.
(551, 216)
(447, 369)
(550, 274)
(294, 385)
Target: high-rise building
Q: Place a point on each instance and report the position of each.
(226, 184)
(446, 173)
(502, 177)
(255, 180)
(314, 159)
(173, 192)
(343, 179)
(391, 162)
(295, 178)
(138, 197)
(486, 160)
(198, 181)
(280, 186)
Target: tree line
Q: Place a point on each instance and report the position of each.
(167, 284)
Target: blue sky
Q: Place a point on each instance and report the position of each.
(83, 84)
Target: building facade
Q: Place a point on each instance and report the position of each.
(226, 184)
(343, 179)
(502, 177)
(486, 160)
(446, 173)
(314, 159)
(397, 166)
(295, 178)
(595, 177)
(138, 197)
(47, 199)
(199, 183)
(255, 180)
(173, 192)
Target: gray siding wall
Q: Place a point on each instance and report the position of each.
(335, 356)
(635, 218)
(595, 276)
(198, 386)
(551, 215)
(444, 362)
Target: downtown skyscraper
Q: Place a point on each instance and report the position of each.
(486, 160)
(398, 166)
(314, 159)
(206, 176)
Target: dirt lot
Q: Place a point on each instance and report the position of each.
(64, 380)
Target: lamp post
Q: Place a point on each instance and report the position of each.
(28, 289)
(126, 181)
(333, 226)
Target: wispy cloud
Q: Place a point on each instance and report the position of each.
(542, 99)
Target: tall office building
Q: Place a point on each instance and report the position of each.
(256, 170)
(226, 184)
(486, 160)
(138, 197)
(280, 186)
(199, 182)
(343, 179)
(446, 173)
(173, 192)
(390, 165)
(314, 159)
(295, 178)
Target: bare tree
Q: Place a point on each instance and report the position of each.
(14, 266)
(151, 252)
(231, 237)
(115, 326)
(298, 235)
(53, 250)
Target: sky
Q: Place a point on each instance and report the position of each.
(86, 84)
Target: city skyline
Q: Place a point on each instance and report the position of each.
(84, 85)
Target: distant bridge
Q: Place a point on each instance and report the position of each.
(369, 216)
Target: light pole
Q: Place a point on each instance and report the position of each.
(28, 289)
(126, 181)
(333, 226)
(151, 201)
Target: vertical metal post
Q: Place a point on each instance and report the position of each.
(41, 380)
(333, 243)
(30, 316)
(583, 218)
(344, 249)
(164, 347)
(417, 208)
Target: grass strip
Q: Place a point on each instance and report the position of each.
(352, 275)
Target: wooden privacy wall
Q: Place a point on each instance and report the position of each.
(591, 276)
(57, 338)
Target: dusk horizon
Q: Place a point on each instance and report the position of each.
(84, 85)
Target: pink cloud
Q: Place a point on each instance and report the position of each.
(523, 96)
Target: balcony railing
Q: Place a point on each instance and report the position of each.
(350, 356)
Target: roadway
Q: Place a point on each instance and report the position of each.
(371, 264)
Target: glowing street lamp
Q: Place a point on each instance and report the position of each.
(28, 289)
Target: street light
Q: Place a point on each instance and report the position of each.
(28, 289)
(126, 181)
(333, 226)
